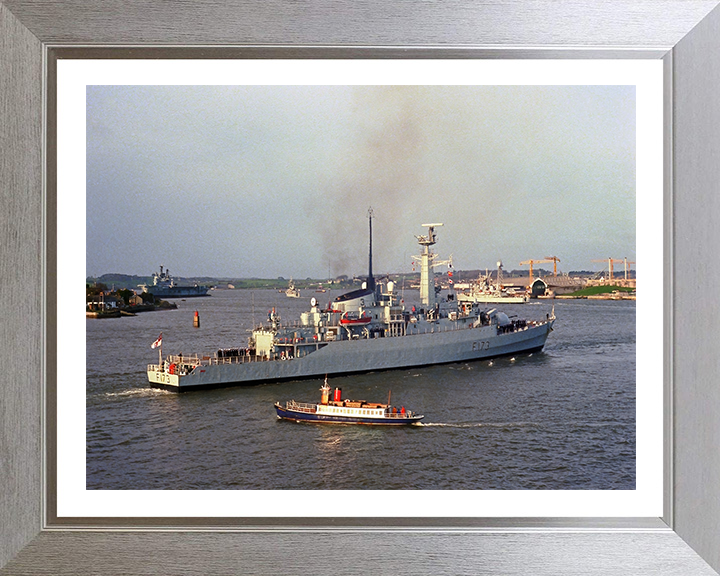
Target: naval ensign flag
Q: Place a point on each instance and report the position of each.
(158, 344)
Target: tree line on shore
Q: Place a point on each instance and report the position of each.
(127, 282)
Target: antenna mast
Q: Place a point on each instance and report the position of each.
(370, 280)
(427, 258)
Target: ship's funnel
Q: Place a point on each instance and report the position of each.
(325, 398)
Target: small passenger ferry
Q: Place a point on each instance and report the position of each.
(339, 411)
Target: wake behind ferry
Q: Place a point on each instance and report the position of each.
(339, 411)
(363, 330)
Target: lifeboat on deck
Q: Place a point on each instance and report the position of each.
(353, 319)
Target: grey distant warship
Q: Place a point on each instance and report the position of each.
(484, 291)
(363, 330)
(164, 286)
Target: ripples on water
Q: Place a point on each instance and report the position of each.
(560, 419)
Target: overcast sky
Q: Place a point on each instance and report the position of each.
(253, 181)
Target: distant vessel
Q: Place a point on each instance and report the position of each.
(114, 313)
(164, 286)
(339, 411)
(291, 291)
(483, 291)
(365, 329)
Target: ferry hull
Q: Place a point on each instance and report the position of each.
(285, 414)
(364, 355)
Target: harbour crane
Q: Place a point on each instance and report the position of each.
(610, 262)
(555, 260)
(626, 266)
(531, 262)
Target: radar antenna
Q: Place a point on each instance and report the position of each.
(431, 238)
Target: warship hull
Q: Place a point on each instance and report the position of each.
(358, 356)
(179, 292)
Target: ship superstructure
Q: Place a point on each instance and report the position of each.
(291, 291)
(428, 262)
(366, 329)
(484, 291)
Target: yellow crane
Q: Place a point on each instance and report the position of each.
(531, 262)
(555, 260)
(610, 262)
(626, 265)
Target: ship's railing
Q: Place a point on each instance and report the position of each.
(510, 328)
(301, 407)
(214, 360)
(399, 415)
(518, 326)
(193, 360)
(247, 358)
(178, 365)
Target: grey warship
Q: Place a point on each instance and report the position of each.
(164, 286)
(367, 329)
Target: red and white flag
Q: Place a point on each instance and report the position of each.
(157, 342)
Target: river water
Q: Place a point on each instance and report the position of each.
(560, 419)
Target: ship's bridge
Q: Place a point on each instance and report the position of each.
(355, 300)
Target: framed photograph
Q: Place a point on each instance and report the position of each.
(413, 139)
(395, 110)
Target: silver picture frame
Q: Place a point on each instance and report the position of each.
(684, 34)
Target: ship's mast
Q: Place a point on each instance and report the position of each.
(370, 280)
(325, 392)
(427, 277)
